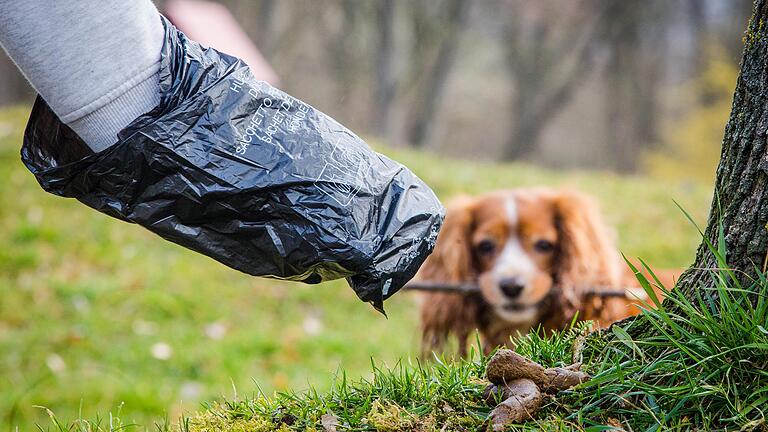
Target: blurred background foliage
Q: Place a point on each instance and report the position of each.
(625, 100)
(579, 84)
(101, 316)
(690, 145)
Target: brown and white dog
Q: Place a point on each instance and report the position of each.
(535, 254)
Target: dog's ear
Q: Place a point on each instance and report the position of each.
(443, 314)
(587, 256)
(451, 261)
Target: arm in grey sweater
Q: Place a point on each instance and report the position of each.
(95, 62)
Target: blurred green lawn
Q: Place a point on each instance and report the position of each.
(99, 315)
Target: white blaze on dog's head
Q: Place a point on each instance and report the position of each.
(513, 261)
(514, 238)
(514, 276)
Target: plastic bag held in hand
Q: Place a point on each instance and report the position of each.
(237, 170)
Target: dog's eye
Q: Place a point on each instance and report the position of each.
(543, 246)
(486, 247)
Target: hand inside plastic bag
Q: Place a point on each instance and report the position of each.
(240, 171)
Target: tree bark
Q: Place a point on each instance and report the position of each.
(740, 203)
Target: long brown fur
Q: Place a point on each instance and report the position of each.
(585, 258)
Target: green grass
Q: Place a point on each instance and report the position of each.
(84, 299)
(715, 380)
(706, 368)
(705, 363)
(405, 397)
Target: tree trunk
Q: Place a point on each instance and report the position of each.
(697, 23)
(523, 140)
(739, 13)
(434, 88)
(535, 103)
(740, 202)
(346, 59)
(620, 140)
(636, 45)
(526, 129)
(265, 27)
(385, 84)
(547, 60)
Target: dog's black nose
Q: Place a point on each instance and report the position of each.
(511, 287)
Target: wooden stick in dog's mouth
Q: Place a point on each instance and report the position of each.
(632, 293)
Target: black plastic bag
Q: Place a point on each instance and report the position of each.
(246, 174)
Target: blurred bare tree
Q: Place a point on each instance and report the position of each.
(13, 86)
(437, 28)
(588, 83)
(385, 80)
(265, 17)
(633, 33)
(548, 47)
(347, 48)
(696, 11)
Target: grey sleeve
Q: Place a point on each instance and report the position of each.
(95, 62)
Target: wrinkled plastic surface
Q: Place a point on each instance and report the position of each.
(248, 175)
